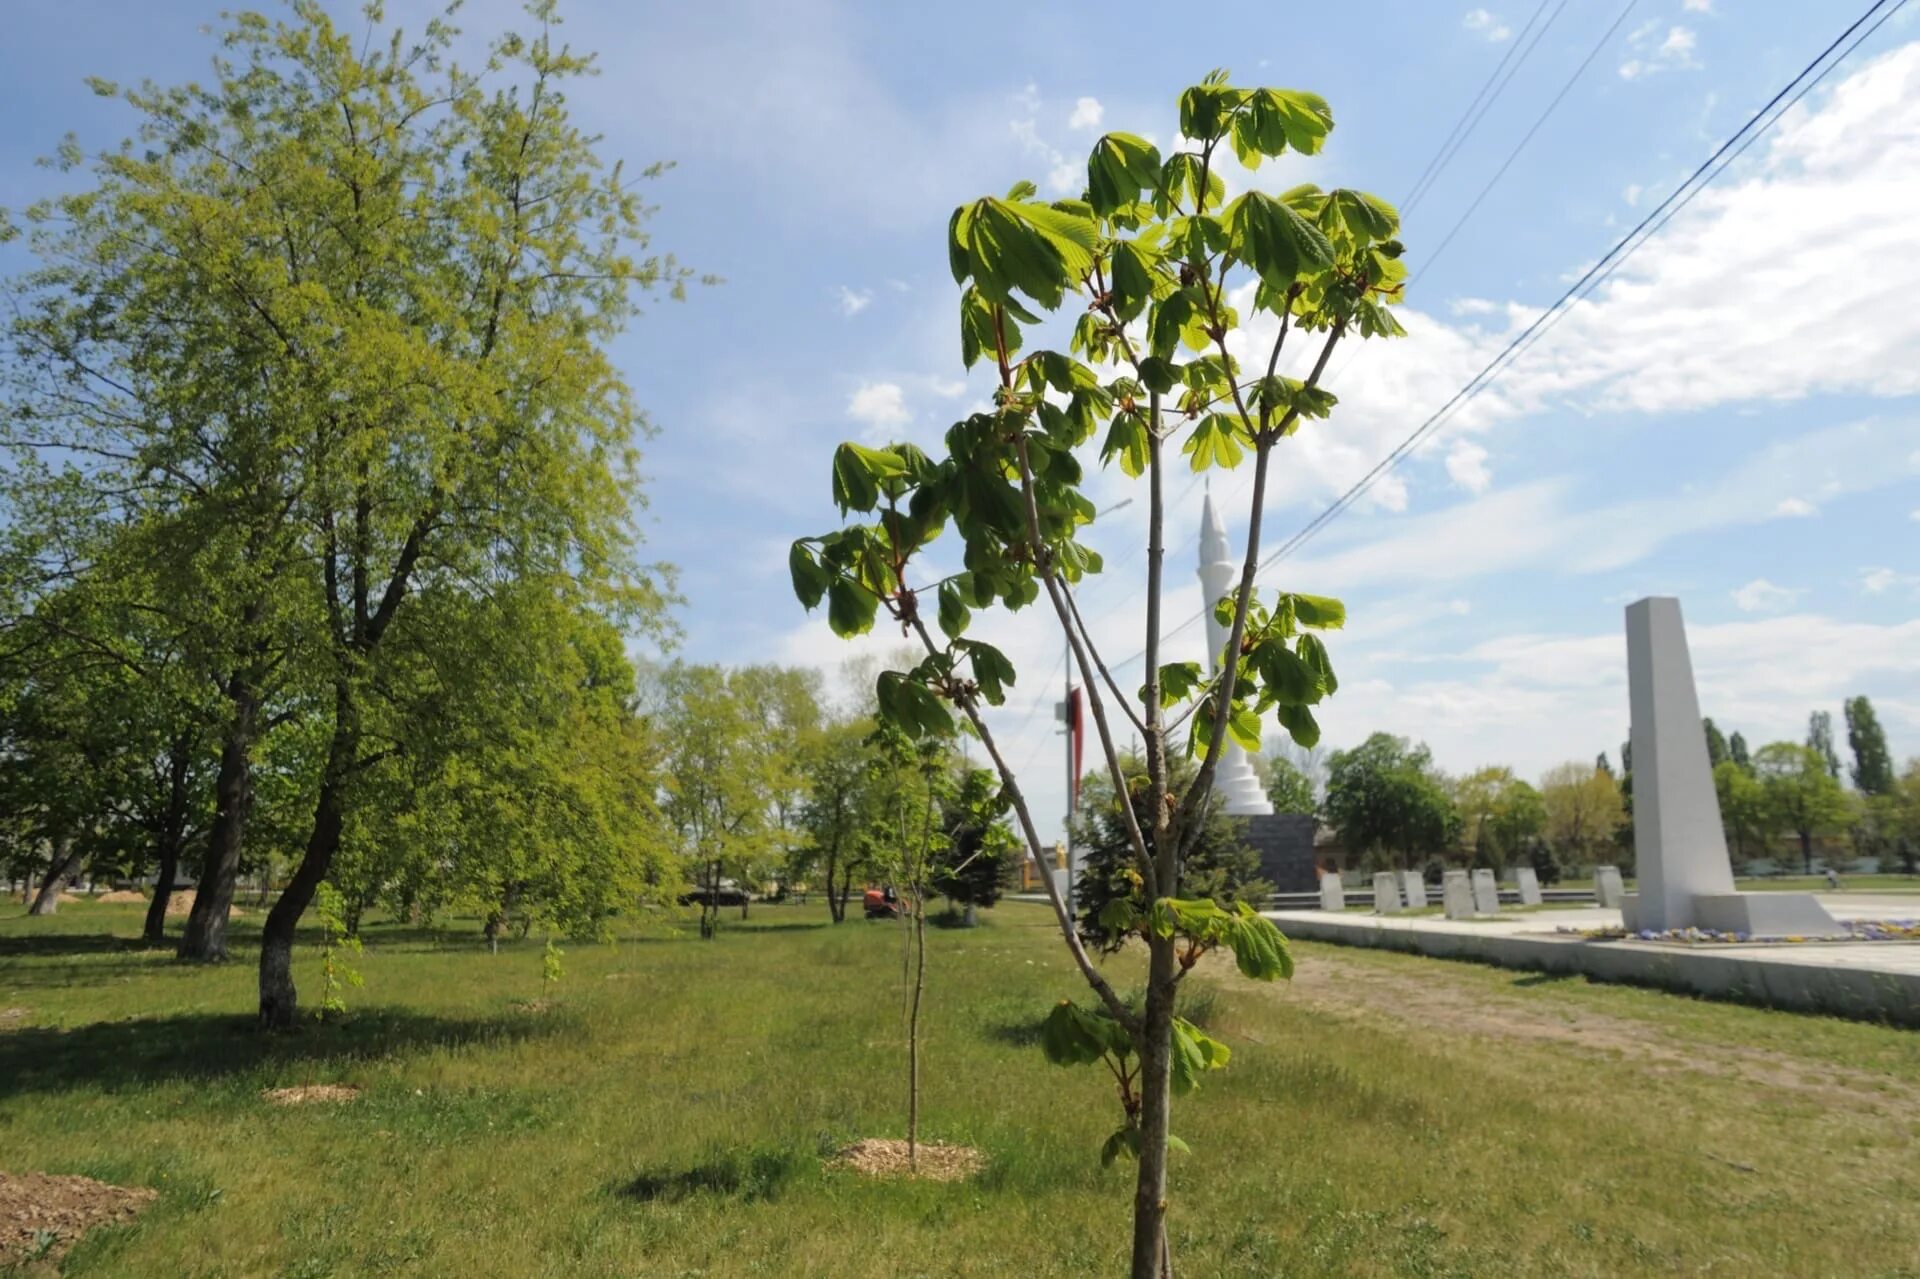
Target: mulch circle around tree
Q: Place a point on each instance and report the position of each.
(303, 1094)
(44, 1214)
(887, 1157)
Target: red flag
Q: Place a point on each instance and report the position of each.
(1076, 727)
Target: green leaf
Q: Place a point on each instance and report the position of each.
(1124, 1141)
(991, 670)
(856, 472)
(1300, 724)
(911, 706)
(1119, 168)
(1177, 682)
(1365, 218)
(954, 613)
(810, 579)
(850, 608)
(1215, 441)
(1314, 653)
(1319, 612)
(1275, 240)
(1127, 440)
(1119, 915)
(1194, 1053)
(1073, 1036)
(1259, 948)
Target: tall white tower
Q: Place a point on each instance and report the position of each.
(1235, 778)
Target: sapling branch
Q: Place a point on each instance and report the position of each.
(969, 707)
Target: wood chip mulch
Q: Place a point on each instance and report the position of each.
(43, 1214)
(887, 1157)
(304, 1093)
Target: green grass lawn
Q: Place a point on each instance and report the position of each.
(666, 1115)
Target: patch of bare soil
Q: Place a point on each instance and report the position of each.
(11, 1017)
(122, 896)
(42, 1215)
(303, 1094)
(887, 1157)
(1431, 1001)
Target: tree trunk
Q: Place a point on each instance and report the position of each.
(155, 931)
(1806, 850)
(59, 866)
(1156, 1105)
(972, 917)
(279, 1002)
(205, 937)
(172, 838)
(913, 1031)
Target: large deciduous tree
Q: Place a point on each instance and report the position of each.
(1584, 810)
(1159, 267)
(1387, 802)
(1872, 761)
(1800, 794)
(331, 339)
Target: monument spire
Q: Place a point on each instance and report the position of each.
(1235, 779)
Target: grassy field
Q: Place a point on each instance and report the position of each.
(666, 1114)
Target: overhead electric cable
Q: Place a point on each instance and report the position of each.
(1485, 85)
(1755, 125)
(1413, 198)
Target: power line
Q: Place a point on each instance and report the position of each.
(1682, 195)
(1520, 146)
(1420, 192)
(1486, 84)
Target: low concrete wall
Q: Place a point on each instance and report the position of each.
(1772, 979)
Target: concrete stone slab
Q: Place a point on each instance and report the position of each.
(1486, 892)
(1877, 981)
(1413, 890)
(1529, 885)
(1386, 893)
(1608, 889)
(1333, 894)
(1456, 894)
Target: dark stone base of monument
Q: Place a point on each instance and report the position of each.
(1284, 844)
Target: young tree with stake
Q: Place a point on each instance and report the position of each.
(1163, 264)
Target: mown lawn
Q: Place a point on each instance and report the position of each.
(666, 1114)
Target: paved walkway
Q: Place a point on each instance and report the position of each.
(1871, 979)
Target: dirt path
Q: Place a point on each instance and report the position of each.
(1432, 1000)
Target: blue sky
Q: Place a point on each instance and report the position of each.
(1733, 419)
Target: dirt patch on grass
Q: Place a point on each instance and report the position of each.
(887, 1157)
(1432, 1000)
(307, 1094)
(42, 1215)
(122, 896)
(12, 1017)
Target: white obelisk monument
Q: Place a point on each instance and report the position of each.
(1235, 779)
(1680, 849)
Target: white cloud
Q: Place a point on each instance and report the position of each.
(1795, 508)
(1697, 6)
(1656, 52)
(879, 404)
(1087, 114)
(1632, 194)
(1486, 25)
(853, 301)
(1467, 466)
(1915, 516)
(1878, 581)
(1762, 596)
(1533, 700)
(947, 388)
(1475, 537)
